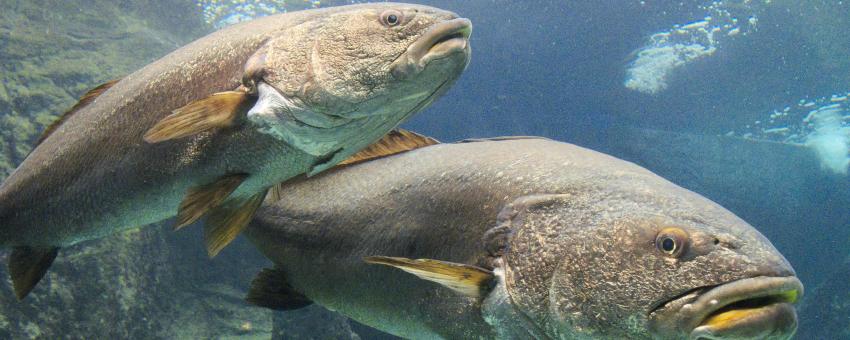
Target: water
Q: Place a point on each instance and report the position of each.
(741, 101)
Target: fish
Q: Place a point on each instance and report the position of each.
(203, 132)
(519, 238)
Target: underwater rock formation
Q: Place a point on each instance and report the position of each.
(86, 279)
(146, 283)
(52, 51)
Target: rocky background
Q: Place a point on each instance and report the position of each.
(53, 51)
(156, 283)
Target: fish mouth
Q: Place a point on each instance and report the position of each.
(752, 308)
(443, 40)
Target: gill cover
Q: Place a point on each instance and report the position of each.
(520, 292)
(290, 120)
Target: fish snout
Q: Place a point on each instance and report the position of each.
(444, 40)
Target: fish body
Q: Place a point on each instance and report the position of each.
(544, 239)
(273, 98)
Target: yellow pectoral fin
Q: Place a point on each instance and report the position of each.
(220, 110)
(462, 278)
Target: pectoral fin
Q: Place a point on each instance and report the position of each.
(271, 290)
(228, 220)
(462, 278)
(201, 200)
(395, 142)
(220, 110)
(27, 265)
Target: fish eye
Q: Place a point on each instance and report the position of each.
(391, 17)
(672, 241)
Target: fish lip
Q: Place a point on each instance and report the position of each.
(774, 294)
(440, 41)
(772, 321)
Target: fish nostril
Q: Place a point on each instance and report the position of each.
(726, 241)
(728, 244)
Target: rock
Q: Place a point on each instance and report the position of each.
(95, 288)
(147, 283)
(52, 51)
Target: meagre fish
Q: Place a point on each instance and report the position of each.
(208, 128)
(544, 240)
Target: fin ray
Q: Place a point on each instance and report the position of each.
(275, 193)
(228, 220)
(395, 142)
(200, 200)
(462, 278)
(217, 111)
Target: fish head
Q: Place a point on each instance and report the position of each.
(365, 68)
(645, 261)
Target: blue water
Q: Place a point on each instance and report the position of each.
(744, 102)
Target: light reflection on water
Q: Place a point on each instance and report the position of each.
(671, 49)
(221, 13)
(822, 124)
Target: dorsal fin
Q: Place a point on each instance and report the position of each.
(86, 99)
(462, 278)
(397, 141)
(27, 265)
(271, 290)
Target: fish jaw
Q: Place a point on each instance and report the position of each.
(752, 308)
(442, 40)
